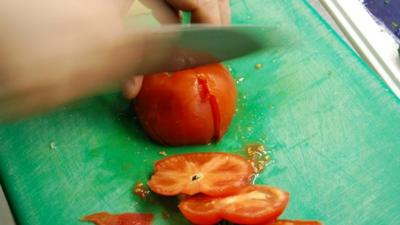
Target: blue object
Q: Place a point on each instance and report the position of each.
(386, 12)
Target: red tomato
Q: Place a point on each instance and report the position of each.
(294, 222)
(104, 218)
(192, 106)
(252, 205)
(214, 174)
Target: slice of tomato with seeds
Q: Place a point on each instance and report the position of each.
(254, 204)
(213, 174)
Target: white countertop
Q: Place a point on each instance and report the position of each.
(373, 42)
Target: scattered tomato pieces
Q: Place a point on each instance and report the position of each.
(214, 174)
(252, 205)
(140, 190)
(213, 187)
(163, 153)
(257, 156)
(104, 218)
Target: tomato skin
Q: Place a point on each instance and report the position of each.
(211, 173)
(258, 213)
(188, 107)
(294, 222)
(104, 218)
(202, 211)
(254, 204)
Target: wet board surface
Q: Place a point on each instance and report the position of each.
(331, 125)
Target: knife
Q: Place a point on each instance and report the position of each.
(198, 45)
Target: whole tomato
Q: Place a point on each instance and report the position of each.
(193, 106)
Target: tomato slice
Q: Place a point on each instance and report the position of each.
(214, 174)
(104, 218)
(294, 222)
(252, 205)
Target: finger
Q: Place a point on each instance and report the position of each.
(203, 11)
(132, 86)
(161, 11)
(225, 12)
(207, 12)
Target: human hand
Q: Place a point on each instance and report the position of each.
(52, 52)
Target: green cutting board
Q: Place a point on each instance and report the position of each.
(331, 125)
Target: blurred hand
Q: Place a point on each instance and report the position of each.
(52, 52)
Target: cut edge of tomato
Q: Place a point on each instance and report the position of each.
(216, 117)
(205, 94)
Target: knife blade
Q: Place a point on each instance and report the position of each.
(198, 45)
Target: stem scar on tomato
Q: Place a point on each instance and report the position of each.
(196, 177)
